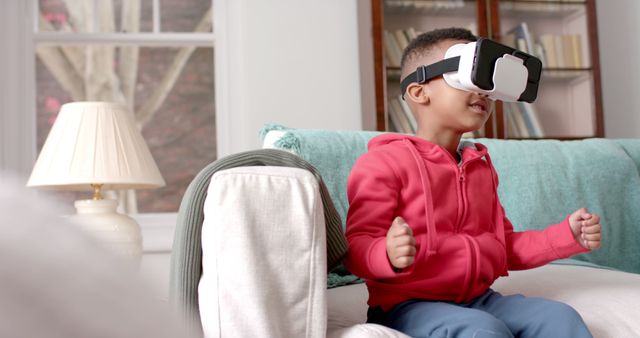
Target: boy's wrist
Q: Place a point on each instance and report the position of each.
(378, 260)
(562, 240)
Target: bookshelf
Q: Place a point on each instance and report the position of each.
(563, 33)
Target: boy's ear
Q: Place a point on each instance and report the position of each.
(417, 93)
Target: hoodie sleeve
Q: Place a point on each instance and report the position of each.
(534, 248)
(372, 190)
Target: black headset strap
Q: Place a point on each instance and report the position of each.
(426, 73)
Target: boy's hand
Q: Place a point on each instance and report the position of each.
(586, 228)
(401, 245)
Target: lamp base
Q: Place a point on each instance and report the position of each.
(119, 232)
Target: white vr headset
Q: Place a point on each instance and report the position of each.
(485, 67)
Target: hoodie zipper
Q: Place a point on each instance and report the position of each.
(470, 245)
(463, 197)
(473, 269)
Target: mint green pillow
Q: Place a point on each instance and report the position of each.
(543, 181)
(333, 153)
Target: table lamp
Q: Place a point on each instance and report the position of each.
(95, 146)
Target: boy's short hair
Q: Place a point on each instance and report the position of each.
(424, 43)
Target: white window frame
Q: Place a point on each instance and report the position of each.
(18, 112)
(17, 90)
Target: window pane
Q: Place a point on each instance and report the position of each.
(182, 15)
(180, 134)
(145, 16)
(55, 13)
(77, 16)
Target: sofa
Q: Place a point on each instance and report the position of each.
(258, 256)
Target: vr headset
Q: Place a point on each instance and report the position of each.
(484, 67)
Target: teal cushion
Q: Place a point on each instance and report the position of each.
(541, 182)
(333, 153)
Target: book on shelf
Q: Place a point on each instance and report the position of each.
(401, 39)
(560, 59)
(394, 119)
(567, 50)
(392, 49)
(514, 113)
(392, 125)
(395, 42)
(539, 50)
(407, 111)
(411, 33)
(554, 50)
(567, 46)
(521, 44)
(576, 45)
(523, 37)
(473, 28)
(398, 117)
(530, 115)
(509, 39)
(522, 120)
(512, 127)
(551, 59)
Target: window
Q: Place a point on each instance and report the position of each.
(155, 56)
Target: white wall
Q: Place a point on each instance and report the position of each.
(618, 28)
(293, 62)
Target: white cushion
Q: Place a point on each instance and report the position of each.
(263, 255)
(365, 331)
(607, 300)
(347, 313)
(347, 306)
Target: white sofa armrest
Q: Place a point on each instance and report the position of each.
(263, 255)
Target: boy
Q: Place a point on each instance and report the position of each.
(426, 229)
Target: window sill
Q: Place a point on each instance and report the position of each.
(157, 231)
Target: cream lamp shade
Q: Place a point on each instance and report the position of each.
(94, 146)
(95, 143)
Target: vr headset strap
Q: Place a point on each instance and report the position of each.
(426, 73)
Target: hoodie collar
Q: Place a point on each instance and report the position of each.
(468, 150)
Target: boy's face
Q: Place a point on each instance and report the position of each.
(450, 108)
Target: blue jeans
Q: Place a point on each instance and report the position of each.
(490, 315)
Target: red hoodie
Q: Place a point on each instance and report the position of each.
(464, 241)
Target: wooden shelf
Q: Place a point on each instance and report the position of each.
(545, 9)
(569, 99)
(430, 7)
(564, 74)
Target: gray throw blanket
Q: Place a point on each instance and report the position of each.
(186, 256)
